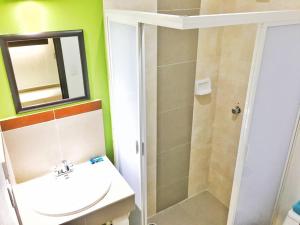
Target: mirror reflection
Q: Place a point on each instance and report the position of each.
(47, 70)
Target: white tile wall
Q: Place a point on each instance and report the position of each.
(35, 150)
(81, 136)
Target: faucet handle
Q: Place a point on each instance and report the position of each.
(56, 171)
(67, 165)
(64, 168)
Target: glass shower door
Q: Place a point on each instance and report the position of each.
(125, 106)
(274, 114)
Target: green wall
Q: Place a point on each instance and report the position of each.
(23, 17)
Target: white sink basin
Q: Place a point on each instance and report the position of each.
(52, 196)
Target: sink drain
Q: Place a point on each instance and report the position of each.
(152, 224)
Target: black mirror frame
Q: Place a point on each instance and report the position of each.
(4, 39)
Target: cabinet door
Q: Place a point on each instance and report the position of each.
(8, 214)
(125, 89)
(274, 116)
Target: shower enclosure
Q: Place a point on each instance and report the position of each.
(204, 111)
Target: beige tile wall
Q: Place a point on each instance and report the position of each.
(234, 70)
(225, 55)
(204, 109)
(177, 54)
(225, 58)
(151, 95)
(236, 56)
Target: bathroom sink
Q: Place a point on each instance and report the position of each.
(60, 196)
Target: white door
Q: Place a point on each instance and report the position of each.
(125, 88)
(274, 116)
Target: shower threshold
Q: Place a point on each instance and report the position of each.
(201, 209)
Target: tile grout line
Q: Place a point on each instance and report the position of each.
(174, 182)
(174, 109)
(177, 63)
(173, 148)
(178, 204)
(171, 10)
(58, 136)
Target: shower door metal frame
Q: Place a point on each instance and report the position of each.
(142, 143)
(264, 20)
(287, 166)
(248, 114)
(247, 119)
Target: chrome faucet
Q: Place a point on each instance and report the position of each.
(63, 169)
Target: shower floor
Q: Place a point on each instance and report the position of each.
(202, 209)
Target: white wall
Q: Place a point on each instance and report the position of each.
(73, 69)
(143, 5)
(34, 66)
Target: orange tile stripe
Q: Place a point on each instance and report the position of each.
(77, 109)
(24, 121)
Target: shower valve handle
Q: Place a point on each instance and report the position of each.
(236, 110)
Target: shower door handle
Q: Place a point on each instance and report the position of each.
(137, 150)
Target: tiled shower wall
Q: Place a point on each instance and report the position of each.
(177, 54)
(237, 46)
(185, 168)
(204, 109)
(224, 55)
(234, 70)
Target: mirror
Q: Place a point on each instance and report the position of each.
(45, 69)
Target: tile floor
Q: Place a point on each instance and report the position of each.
(202, 209)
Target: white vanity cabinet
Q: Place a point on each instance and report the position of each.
(115, 206)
